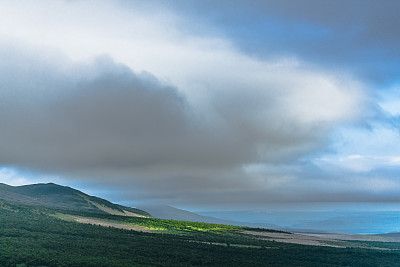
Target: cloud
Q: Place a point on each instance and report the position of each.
(12, 177)
(127, 97)
(357, 36)
(389, 100)
(101, 121)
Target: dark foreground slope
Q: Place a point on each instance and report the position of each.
(38, 236)
(57, 196)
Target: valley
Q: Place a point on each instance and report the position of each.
(46, 235)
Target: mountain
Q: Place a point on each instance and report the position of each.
(370, 222)
(56, 196)
(171, 213)
(339, 221)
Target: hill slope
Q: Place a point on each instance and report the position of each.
(40, 236)
(57, 196)
(172, 213)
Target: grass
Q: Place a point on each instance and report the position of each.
(48, 237)
(166, 226)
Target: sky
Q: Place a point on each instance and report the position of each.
(203, 104)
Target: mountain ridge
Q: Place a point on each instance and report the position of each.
(57, 196)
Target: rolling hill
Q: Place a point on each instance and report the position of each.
(56, 196)
(53, 225)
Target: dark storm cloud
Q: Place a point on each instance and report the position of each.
(358, 36)
(99, 121)
(99, 116)
(103, 116)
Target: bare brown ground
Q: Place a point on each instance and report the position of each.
(350, 237)
(295, 239)
(106, 209)
(116, 212)
(132, 214)
(110, 224)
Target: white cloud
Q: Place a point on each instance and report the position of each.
(390, 101)
(16, 177)
(12, 177)
(357, 163)
(363, 149)
(156, 40)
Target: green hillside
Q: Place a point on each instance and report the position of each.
(41, 236)
(52, 225)
(57, 196)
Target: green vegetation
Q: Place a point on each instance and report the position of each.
(167, 226)
(56, 196)
(38, 236)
